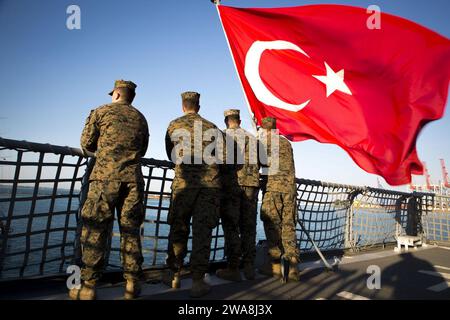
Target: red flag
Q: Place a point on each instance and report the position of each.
(326, 76)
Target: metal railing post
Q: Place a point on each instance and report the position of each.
(348, 237)
(349, 242)
(413, 205)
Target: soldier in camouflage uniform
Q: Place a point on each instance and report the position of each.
(239, 211)
(195, 193)
(118, 135)
(278, 210)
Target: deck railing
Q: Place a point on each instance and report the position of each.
(43, 187)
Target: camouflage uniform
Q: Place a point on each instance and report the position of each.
(118, 134)
(241, 185)
(278, 210)
(195, 195)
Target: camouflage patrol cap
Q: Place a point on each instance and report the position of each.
(191, 96)
(269, 123)
(232, 112)
(123, 84)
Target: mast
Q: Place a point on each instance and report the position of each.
(252, 115)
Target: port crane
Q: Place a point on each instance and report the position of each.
(445, 178)
(442, 188)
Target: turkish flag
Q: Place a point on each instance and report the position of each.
(325, 75)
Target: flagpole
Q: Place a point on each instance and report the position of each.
(327, 265)
(252, 115)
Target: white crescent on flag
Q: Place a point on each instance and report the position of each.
(252, 61)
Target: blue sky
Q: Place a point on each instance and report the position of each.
(52, 77)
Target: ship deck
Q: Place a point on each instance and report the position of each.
(417, 274)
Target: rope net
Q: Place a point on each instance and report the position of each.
(43, 187)
(39, 203)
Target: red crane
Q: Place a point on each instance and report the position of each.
(427, 177)
(445, 174)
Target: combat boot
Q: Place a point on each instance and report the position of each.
(133, 289)
(276, 269)
(249, 271)
(86, 292)
(199, 287)
(172, 279)
(230, 274)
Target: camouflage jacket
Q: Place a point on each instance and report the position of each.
(245, 157)
(191, 170)
(281, 179)
(118, 134)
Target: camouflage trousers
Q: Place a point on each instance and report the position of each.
(202, 205)
(238, 216)
(103, 199)
(278, 213)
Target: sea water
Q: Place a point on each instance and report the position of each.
(326, 227)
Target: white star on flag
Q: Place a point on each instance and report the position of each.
(334, 81)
